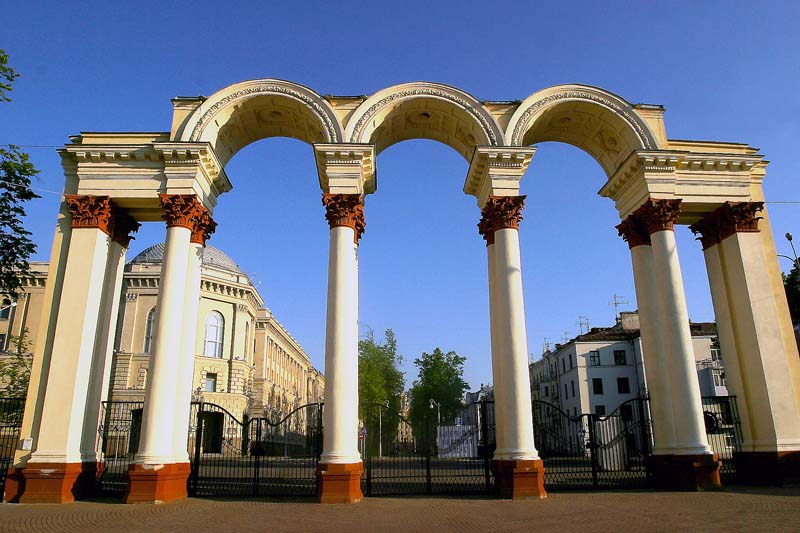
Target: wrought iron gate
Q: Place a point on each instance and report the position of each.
(11, 411)
(591, 451)
(120, 427)
(427, 458)
(254, 457)
(724, 432)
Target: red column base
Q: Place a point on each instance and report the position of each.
(685, 472)
(51, 482)
(516, 480)
(339, 483)
(157, 483)
(767, 468)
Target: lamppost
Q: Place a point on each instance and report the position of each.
(433, 402)
(796, 262)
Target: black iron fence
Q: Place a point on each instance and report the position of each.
(591, 451)
(428, 457)
(724, 432)
(254, 457)
(118, 433)
(11, 411)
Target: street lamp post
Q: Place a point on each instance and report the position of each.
(794, 260)
(433, 402)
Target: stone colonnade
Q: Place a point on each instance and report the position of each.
(116, 180)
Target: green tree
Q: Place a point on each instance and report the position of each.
(791, 283)
(379, 377)
(441, 379)
(15, 366)
(16, 172)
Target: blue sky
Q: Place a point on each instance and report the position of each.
(723, 70)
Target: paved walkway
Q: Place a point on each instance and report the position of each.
(735, 509)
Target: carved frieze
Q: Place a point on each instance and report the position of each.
(345, 210)
(634, 232)
(659, 215)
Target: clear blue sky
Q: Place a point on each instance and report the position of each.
(723, 70)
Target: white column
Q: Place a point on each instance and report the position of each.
(73, 348)
(104, 345)
(517, 418)
(690, 431)
(185, 378)
(498, 376)
(653, 355)
(340, 443)
(158, 423)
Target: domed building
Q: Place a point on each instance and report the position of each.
(245, 360)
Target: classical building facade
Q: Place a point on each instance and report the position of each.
(244, 359)
(116, 181)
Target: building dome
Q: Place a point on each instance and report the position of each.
(211, 257)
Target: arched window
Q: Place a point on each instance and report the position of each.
(215, 334)
(148, 331)
(5, 308)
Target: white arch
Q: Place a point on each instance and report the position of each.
(247, 111)
(427, 110)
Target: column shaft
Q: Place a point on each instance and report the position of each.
(341, 352)
(690, 430)
(498, 376)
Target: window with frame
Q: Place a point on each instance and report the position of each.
(2, 342)
(597, 385)
(600, 410)
(215, 335)
(623, 386)
(563, 365)
(572, 385)
(546, 391)
(5, 308)
(571, 361)
(148, 330)
(620, 358)
(211, 383)
(594, 358)
(566, 393)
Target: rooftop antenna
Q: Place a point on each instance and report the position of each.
(565, 338)
(583, 322)
(546, 345)
(617, 302)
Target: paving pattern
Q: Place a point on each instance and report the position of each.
(734, 509)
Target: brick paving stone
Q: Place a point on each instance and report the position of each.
(734, 509)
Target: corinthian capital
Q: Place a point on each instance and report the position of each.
(504, 211)
(204, 226)
(726, 220)
(634, 232)
(345, 210)
(122, 226)
(181, 210)
(659, 215)
(90, 211)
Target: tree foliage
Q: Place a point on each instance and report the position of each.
(791, 283)
(441, 379)
(16, 172)
(379, 377)
(15, 366)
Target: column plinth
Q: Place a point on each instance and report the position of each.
(157, 483)
(767, 468)
(339, 482)
(689, 472)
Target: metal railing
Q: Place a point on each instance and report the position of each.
(11, 412)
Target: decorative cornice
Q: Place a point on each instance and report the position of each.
(348, 165)
(496, 168)
(477, 114)
(634, 232)
(182, 210)
(328, 122)
(726, 220)
(345, 210)
(90, 212)
(504, 212)
(627, 114)
(659, 215)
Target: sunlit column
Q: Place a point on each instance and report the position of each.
(659, 217)
(340, 463)
(204, 226)
(654, 357)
